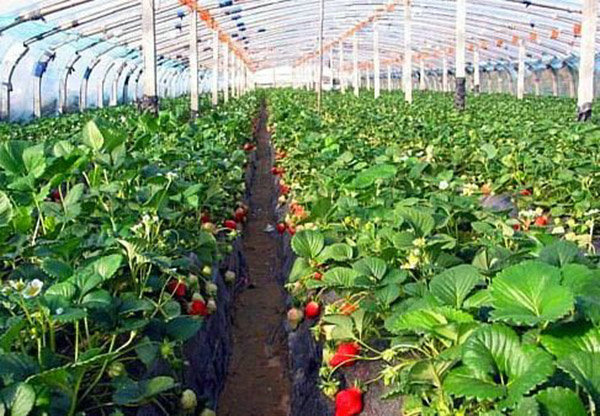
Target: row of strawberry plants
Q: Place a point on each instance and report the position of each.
(110, 225)
(452, 253)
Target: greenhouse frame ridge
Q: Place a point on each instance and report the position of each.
(78, 54)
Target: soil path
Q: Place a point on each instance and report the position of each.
(257, 381)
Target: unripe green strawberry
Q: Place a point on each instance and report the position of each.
(197, 296)
(188, 401)
(211, 288)
(207, 271)
(294, 317)
(211, 305)
(229, 277)
(209, 227)
(208, 412)
(116, 369)
(166, 349)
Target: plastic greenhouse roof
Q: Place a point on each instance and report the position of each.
(282, 32)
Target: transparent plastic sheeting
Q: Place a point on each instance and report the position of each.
(98, 42)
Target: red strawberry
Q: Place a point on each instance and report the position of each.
(345, 355)
(349, 402)
(281, 227)
(291, 229)
(318, 276)
(517, 227)
(525, 192)
(277, 171)
(348, 308)
(198, 307)
(176, 287)
(240, 215)
(231, 224)
(284, 189)
(205, 218)
(248, 147)
(55, 195)
(541, 221)
(312, 310)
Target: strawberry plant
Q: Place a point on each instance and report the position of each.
(107, 253)
(456, 252)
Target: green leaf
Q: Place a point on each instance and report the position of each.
(183, 328)
(425, 320)
(15, 325)
(559, 401)
(21, 400)
(367, 177)
(97, 298)
(64, 289)
(308, 243)
(559, 253)
(463, 382)
(421, 222)
(570, 337)
(337, 252)
(156, 386)
(70, 315)
(147, 351)
(494, 355)
(584, 367)
(129, 392)
(343, 326)
(57, 269)
(371, 266)
(62, 149)
(34, 160)
(11, 157)
(300, 269)
(530, 294)
(6, 210)
(92, 136)
(340, 276)
(73, 196)
(489, 150)
(452, 286)
(107, 266)
(388, 294)
(479, 299)
(528, 406)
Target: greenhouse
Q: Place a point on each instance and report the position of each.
(299, 208)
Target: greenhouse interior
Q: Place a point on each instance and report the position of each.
(299, 208)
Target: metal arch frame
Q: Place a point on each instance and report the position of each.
(290, 24)
(137, 83)
(41, 68)
(127, 87)
(254, 16)
(114, 90)
(83, 90)
(102, 84)
(9, 66)
(133, 66)
(5, 101)
(68, 70)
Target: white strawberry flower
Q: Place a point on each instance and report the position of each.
(33, 289)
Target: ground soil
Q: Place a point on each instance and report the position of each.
(257, 382)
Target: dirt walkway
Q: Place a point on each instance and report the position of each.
(257, 383)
